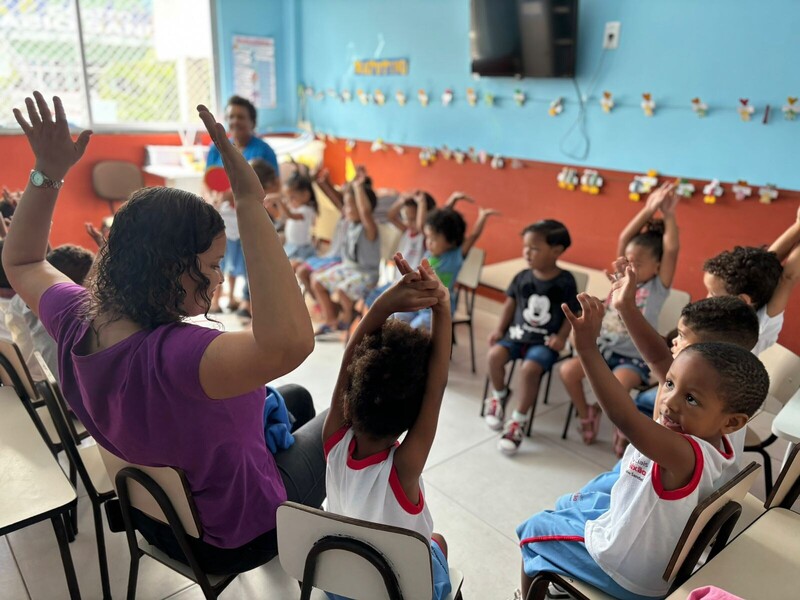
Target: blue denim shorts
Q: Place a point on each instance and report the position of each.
(538, 353)
(617, 361)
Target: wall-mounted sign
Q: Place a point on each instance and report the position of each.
(385, 66)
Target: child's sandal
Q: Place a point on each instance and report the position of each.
(586, 429)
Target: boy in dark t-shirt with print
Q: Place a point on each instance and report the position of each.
(532, 327)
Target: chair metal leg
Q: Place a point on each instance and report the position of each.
(66, 557)
(485, 395)
(101, 551)
(570, 410)
(133, 574)
(471, 345)
(767, 471)
(549, 375)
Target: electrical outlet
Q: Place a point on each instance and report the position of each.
(611, 35)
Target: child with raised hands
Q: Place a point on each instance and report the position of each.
(621, 542)
(392, 381)
(652, 247)
(298, 210)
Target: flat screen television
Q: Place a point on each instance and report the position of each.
(523, 38)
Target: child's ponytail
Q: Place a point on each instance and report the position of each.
(652, 237)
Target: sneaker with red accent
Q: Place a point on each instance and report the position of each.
(493, 413)
(513, 433)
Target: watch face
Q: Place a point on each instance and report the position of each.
(37, 178)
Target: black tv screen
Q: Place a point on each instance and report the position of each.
(523, 38)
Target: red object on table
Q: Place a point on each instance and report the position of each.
(217, 180)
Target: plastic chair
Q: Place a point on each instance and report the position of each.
(467, 283)
(162, 493)
(116, 180)
(581, 281)
(86, 460)
(783, 367)
(710, 524)
(355, 558)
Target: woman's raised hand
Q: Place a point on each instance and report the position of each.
(50, 140)
(244, 181)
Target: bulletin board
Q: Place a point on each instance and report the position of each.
(254, 70)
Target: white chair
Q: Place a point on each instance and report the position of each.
(162, 493)
(783, 367)
(354, 558)
(390, 239)
(671, 311)
(467, 283)
(710, 524)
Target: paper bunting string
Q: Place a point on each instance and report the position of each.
(379, 97)
(712, 191)
(446, 153)
(517, 164)
(745, 109)
(349, 145)
(648, 104)
(378, 146)
(483, 157)
(401, 97)
(309, 92)
(684, 188)
(520, 97)
(447, 97)
(346, 96)
(591, 182)
(607, 102)
(459, 157)
(489, 99)
(399, 149)
(568, 178)
(363, 97)
(472, 155)
(427, 156)
(767, 194)
(332, 139)
(422, 96)
(741, 190)
(472, 97)
(642, 184)
(556, 107)
(332, 93)
(699, 107)
(791, 109)
(497, 162)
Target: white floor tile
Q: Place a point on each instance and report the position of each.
(12, 587)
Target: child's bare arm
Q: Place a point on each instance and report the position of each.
(633, 228)
(410, 457)
(394, 212)
(670, 240)
(422, 210)
(456, 197)
(506, 317)
(470, 240)
(672, 451)
(789, 278)
(787, 240)
(365, 210)
(647, 340)
(324, 182)
(410, 294)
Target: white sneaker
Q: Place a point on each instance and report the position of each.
(493, 413)
(512, 438)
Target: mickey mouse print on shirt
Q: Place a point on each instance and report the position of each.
(537, 311)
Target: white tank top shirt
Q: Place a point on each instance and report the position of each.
(369, 488)
(634, 540)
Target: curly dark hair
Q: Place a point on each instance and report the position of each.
(744, 381)
(302, 183)
(555, 233)
(651, 237)
(386, 380)
(368, 191)
(239, 101)
(73, 261)
(156, 237)
(430, 201)
(726, 319)
(747, 270)
(449, 223)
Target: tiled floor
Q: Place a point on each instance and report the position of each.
(477, 496)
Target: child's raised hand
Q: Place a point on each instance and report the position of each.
(95, 234)
(244, 181)
(623, 289)
(657, 197)
(669, 203)
(586, 328)
(428, 274)
(483, 213)
(50, 140)
(455, 197)
(322, 175)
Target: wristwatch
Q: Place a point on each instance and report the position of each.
(41, 180)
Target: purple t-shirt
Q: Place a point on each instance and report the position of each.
(142, 400)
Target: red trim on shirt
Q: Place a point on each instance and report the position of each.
(335, 438)
(400, 494)
(368, 461)
(728, 452)
(552, 538)
(680, 493)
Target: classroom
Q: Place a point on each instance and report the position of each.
(385, 299)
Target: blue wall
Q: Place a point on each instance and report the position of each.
(719, 50)
(266, 18)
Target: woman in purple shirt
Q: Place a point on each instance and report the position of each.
(153, 389)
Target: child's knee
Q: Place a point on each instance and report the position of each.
(532, 370)
(498, 355)
(571, 371)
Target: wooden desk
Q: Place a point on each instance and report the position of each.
(32, 485)
(762, 563)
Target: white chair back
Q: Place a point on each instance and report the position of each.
(470, 274)
(787, 478)
(783, 367)
(671, 311)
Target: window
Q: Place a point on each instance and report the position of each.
(117, 64)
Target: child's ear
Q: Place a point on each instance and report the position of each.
(746, 298)
(558, 249)
(734, 422)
